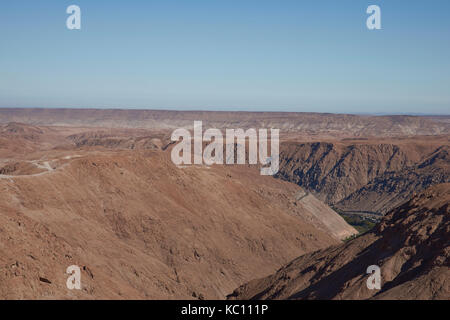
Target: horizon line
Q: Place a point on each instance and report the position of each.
(412, 114)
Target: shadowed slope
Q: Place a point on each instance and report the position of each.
(411, 246)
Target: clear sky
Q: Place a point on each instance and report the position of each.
(274, 55)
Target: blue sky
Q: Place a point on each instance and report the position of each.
(227, 55)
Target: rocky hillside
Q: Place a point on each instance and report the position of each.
(141, 228)
(411, 246)
(365, 175)
(390, 189)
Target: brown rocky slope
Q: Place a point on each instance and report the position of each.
(368, 175)
(392, 188)
(411, 246)
(142, 228)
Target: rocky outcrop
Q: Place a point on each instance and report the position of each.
(364, 176)
(390, 189)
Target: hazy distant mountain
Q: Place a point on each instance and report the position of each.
(337, 125)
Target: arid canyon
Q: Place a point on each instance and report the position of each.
(97, 189)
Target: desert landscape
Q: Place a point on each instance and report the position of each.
(97, 188)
